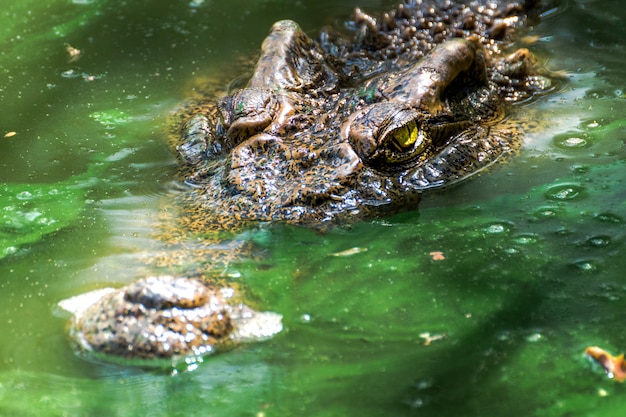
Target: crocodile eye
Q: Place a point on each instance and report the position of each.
(403, 143)
(405, 136)
(387, 134)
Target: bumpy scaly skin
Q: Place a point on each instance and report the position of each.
(165, 317)
(329, 131)
(309, 139)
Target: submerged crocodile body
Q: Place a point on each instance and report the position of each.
(350, 126)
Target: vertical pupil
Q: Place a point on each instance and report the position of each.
(406, 135)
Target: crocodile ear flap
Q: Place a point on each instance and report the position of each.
(246, 113)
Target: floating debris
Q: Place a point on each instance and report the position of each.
(437, 256)
(429, 338)
(73, 53)
(613, 365)
(349, 252)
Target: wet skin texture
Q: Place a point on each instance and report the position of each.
(358, 124)
(164, 317)
(347, 127)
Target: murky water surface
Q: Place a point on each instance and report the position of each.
(479, 304)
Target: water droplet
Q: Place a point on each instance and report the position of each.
(565, 192)
(572, 141)
(599, 241)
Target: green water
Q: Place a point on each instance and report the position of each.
(534, 249)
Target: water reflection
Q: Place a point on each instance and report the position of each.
(240, 384)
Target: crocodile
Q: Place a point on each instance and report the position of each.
(356, 124)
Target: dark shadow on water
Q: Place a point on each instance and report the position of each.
(462, 379)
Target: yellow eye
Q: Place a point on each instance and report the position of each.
(406, 136)
(404, 143)
(389, 134)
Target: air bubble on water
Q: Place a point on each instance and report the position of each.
(24, 195)
(609, 218)
(496, 228)
(580, 169)
(585, 266)
(535, 337)
(32, 215)
(46, 221)
(611, 297)
(417, 403)
(525, 239)
(424, 384)
(571, 142)
(565, 192)
(9, 250)
(546, 212)
(71, 73)
(599, 241)
(562, 231)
